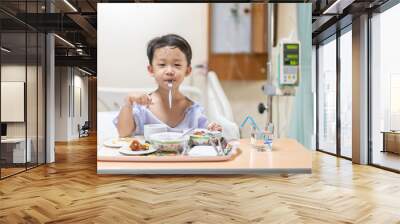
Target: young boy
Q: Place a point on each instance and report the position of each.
(169, 63)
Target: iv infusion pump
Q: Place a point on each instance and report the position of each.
(288, 72)
(289, 63)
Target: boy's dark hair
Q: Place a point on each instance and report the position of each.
(169, 40)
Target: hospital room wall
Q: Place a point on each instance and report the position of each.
(293, 115)
(245, 96)
(286, 29)
(125, 49)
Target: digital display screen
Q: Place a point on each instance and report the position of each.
(291, 54)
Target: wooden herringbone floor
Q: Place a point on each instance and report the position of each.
(70, 191)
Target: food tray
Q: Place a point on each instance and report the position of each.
(164, 157)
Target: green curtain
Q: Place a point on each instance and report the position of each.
(302, 120)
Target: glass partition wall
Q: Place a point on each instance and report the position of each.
(22, 87)
(334, 94)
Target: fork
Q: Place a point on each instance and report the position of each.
(220, 151)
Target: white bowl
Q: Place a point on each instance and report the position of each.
(150, 129)
(169, 141)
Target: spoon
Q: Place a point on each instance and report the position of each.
(186, 132)
(170, 94)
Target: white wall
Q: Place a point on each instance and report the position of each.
(68, 82)
(33, 127)
(125, 29)
(79, 117)
(12, 101)
(61, 103)
(17, 73)
(245, 102)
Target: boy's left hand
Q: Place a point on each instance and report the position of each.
(214, 127)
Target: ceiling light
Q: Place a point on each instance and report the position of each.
(5, 50)
(65, 41)
(70, 5)
(79, 51)
(337, 7)
(84, 71)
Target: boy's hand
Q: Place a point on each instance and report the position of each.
(214, 127)
(142, 99)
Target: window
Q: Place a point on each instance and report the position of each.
(385, 89)
(346, 93)
(327, 97)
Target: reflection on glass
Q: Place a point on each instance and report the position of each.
(346, 94)
(23, 90)
(327, 97)
(385, 86)
(13, 71)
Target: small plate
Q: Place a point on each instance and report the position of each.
(116, 143)
(202, 150)
(128, 152)
(207, 150)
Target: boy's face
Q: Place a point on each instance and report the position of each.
(169, 64)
